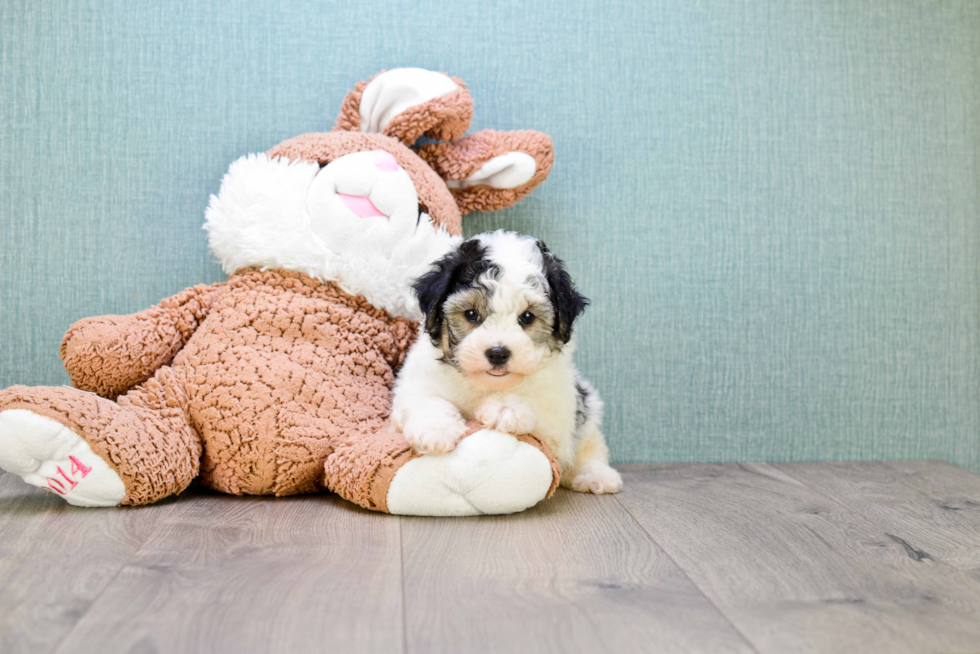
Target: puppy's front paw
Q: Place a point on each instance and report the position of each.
(512, 415)
(433, 433)
(598, 478)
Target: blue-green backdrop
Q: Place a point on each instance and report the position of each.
(775, 206)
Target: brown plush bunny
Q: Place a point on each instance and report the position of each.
(278, 380)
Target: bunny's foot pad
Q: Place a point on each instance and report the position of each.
(489, 472)
(46, 454)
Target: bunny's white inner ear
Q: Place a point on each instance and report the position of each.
(394, 91)
(508, 170)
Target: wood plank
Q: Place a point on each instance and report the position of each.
(255, 574)
(939, 478)
(935, 507)
(56, 559)
(952, 487)
(795, 571)
(573, 574)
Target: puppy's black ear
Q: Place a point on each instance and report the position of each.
(566, 301)
(457, 268)
(432, 289)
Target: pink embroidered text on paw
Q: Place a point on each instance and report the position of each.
(77, 468)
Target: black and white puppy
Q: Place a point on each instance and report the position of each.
(496, 347)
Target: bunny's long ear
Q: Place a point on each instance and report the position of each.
(491, 170)
(407, 103)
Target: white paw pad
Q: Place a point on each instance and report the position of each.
(46, 454)
(598, 478)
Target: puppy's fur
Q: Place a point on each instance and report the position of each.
(497, 348)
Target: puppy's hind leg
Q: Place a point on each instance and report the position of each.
(591, 472)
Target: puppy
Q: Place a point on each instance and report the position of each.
(496, 347)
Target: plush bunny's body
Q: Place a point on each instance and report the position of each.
(278, 381)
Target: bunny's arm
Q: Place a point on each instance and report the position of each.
(108, 355)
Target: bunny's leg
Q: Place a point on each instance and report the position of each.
(95, 452)
(488, 472)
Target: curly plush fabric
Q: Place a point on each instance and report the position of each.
(460, 159)
(349, 118)
(285, 363)
(361, 465)
(279, 365)
(111, 354)
(445, 118)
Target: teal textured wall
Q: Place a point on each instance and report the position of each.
(775, 206)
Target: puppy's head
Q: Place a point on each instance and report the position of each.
(497, 306)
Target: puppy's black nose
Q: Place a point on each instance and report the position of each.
(497, 355)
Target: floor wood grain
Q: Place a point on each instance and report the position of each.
(234, 574)
(795, 571)
(856, 557)
(933, 506)
(55, 561)
(575, 574)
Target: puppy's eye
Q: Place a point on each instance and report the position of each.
(525, 318)
(472, 315)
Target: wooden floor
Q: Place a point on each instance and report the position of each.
(856, 557)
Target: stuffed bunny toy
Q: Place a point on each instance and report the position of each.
(278, 381)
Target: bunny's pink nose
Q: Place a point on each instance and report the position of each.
(385, 162)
